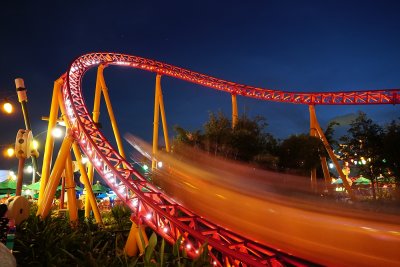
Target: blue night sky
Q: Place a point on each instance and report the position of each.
(286, 45)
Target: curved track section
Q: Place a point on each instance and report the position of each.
(149, 205)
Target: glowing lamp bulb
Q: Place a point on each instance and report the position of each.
(10, 152)
(29, 169)
(8, 108)
(159, 164)
(57, 132)
(84, 160)
(35, 144)
(148, 216)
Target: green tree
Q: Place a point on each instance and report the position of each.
(247, 138)
(329, 133)
(218, 133)
(301, 152)
(391, 150)
(363, 144)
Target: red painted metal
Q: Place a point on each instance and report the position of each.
(152, 207)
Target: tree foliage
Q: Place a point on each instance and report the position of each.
(247, 141)
(301, 152)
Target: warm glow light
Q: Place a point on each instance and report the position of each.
(84, 160)
(10, 152)
(7, 107)
(29, 169)
(57, 132)
(159, 164)
(35, 144)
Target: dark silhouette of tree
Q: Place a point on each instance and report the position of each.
(391, 151)
(364, 144)
(329, 133)
(217, 134)
(246, 142)
(301, 152)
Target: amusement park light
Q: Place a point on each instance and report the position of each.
(10, 152)
(159, 164)
(331, 165)
(84, 160)
(145, 167)
(7, 107)
(29, 169)
(57, 132)
(35, 144)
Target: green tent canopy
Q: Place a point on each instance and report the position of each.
(77, 188)
(362, 181)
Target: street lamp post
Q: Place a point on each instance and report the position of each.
(23, 99)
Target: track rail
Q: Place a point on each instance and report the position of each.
(151, 206)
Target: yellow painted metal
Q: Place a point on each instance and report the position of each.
(111, 112)
(49, 146)
(70, 186)
(330, 151)
(85, 179)
(155, 122)
(54, 179)
(163, 117)
(327, 176)
(235, 116)
(96, 115)
(314, 133)
(131, 247)
(82, 169)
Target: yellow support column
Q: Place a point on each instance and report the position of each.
(54, 180)
(84, 178)
(70, 186)
(163, 117)
(330, 152)
(96, 115)
(131, 248)
(235, 116)
(48, 150)
(156, 121)
(313, 132)
(110, 111)
(327, 176)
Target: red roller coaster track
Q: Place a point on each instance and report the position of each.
(152, 207)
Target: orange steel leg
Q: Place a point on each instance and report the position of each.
(49, 146)
(71, 193)
(54, 180)
(235, 116)
(328, 148)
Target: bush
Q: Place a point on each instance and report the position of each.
(54, 241)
